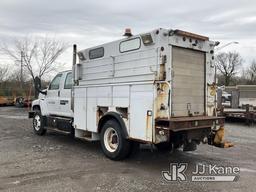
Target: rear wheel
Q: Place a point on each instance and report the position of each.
(165, 146)
(113, 143)
(190, 146)
(39, 123)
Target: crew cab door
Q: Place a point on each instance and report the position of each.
(65, 95)
(52, 97)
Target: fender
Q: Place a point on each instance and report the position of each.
(42, 104)
(117, 117)
(35, 102)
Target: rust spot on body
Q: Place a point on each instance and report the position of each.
(162, 101)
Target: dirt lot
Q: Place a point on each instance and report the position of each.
(57, 162)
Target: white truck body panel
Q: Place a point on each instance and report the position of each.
(128, 80)
(137, 83)
(138, 98)
(247, 101)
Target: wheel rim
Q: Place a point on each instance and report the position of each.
(37, 122)
(111, 140)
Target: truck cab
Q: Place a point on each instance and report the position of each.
(53, 107)
(57, 98)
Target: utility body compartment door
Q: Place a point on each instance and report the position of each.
(141, 103)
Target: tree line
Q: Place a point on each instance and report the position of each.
(31, 57)
(39, 57)
(230, 70)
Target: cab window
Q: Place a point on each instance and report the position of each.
(68, 81)
(96, 53)
(55, 84)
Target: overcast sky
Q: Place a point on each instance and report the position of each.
(88, 23)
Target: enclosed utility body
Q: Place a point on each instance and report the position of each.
(158, 87)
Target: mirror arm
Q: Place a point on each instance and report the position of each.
(37, 83)
(43, 92)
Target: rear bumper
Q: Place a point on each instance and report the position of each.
(176, 124)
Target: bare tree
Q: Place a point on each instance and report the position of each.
(37, 55)
(4, 72)
(228, 64)
(252, 72)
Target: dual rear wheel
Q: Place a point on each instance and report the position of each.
(113, 142)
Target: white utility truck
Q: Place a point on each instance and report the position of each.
(156, 87)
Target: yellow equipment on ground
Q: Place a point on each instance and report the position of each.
(219, 139)
(6, 100)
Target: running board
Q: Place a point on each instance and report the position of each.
(59, 131)
(60, 124)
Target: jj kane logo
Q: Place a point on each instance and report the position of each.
(176, 172)
(201, 172)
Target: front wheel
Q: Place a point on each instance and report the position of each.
(113, 143)
(39, 123)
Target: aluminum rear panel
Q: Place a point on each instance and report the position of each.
(188, 93)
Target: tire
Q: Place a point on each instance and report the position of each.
(192, 146)
(72, 132)
(39, 123)
(113, 143)
(165, 146)
(19, 102)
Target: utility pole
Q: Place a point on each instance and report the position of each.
(21, 69)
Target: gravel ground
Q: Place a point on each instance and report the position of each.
(57, 162)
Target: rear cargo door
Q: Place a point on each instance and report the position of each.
(188, 93)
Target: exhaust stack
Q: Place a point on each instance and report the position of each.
(74, 76)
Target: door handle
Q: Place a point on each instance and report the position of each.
(63, 102)
(58, 93)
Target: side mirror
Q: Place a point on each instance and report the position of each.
(38, 85)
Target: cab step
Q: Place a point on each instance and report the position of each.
(86, 135)
(59, 131)
(59, 124)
